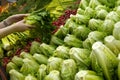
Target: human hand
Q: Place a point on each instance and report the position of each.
(15, 18)
(20, 26)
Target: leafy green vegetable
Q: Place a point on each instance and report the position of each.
(81, 56)
(95, 24)
(29, 66)
(17, 60)
(35, 47)
(93, 37)
(84, 4)
(68, 69)
(113, 16)
(101, 14)
(81, 32)
(56, 41)
(90, 12)
(42, 21)
(30, 77)
(42, 72)
(1, 52)
(80, 11)
(41, 59)
(26, 55)
(72, 41)
(107, 26)
(94, 3)
(87, 75)
(102, 7)
(106, 59)
(62, 52)
(54, 63)
(53, 75)
(15, 75)
(46, 49)
(80, 19)
(112, 44)
(116, 30)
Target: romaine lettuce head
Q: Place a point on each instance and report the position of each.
(102, 7)
(26, 55)
(90, 12)
(54, 63)
(46, 49)
(113, 16)
(81, 32)
(62, 52)
(35, 47)
(107, 26)
(81, 57)
(94, 3)
(87, 75)
(92, 38)
(106, 59)
(30, 77)
(61, 32)
(15, 75)
(116, 30)
(11, 66)
(84, 4)
(101, 14)
(95, 24)
(80, 19)
(41, 59)
(53, 75)
(68, 69)
(72, 41)
(56, 41)
(17, 60)
(42, 72)
(80, 11)
(112, 44)
(29, 66)
(118, 10)
(71, 25)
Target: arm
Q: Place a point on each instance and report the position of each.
(16, 27)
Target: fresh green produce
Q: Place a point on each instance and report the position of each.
(81, 57)
(41, 59)
(35, 47)
(94, 3)
(80, 19)
(42, 21)
(101, 14)
(106, 59)
(56, 41)
(1, 52)
(62, 52)
(93, 37)
(46, 49)
(81, 32)
(107, 27)
(53, 75)
(68, 69)
(30, 77)
(113, 16)
(116, 30)
(26, 55)
(80, 11)
(15, 75)
(29, 66)
(90, 12)
(87, 75)
(42, 72)
(118, 72)
(112, 44)
(11, 66)
(95, 24)
(17, 60)
(84, 4)
(54, 63)
(72, 41)
(102, 7)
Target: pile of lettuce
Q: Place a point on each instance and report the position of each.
(87, 47)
